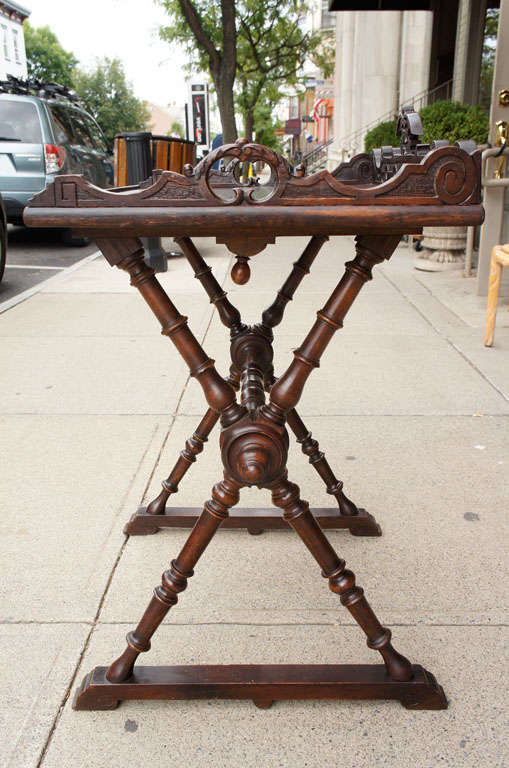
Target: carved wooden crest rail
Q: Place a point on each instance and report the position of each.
(378, 196)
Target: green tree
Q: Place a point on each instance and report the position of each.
(46, 59)
(108, 96)
(207, 29)
(269, 49)
(272, 49)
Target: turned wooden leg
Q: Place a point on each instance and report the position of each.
(193, 447)
(229, 315)
(225, 495)
(341, 581)
(286, 392)
(491, 312)
(317, 459)
(127, 254)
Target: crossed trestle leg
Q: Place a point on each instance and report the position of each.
(341, 581)
(254, 452)
(249, 347)
(413, 686)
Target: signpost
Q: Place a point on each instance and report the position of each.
(199, 129)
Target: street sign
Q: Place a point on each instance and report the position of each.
(199, 132)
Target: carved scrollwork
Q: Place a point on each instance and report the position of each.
(455, 179)
(240, 152)
(443, 176)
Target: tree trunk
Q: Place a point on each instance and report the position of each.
(249, 124)
(227, 71)
(226, 107)
(222, 63)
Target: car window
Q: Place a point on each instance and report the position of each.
(62, 126)
(89, 132)
(80, 129)
(96, 134)
(19, 121)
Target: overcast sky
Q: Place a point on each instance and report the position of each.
(126, 29)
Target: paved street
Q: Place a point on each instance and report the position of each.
(34, 256)
(412, 412)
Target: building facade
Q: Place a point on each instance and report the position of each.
(13, 60)
(382, 59)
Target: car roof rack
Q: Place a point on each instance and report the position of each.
(34, 87)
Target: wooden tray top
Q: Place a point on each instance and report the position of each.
(439, 187)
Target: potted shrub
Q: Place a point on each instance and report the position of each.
(442, 247)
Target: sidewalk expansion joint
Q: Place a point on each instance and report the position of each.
(440, 333)
(96, 621)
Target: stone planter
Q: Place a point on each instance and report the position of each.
(443, 248)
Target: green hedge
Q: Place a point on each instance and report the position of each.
(382, 135)
(442, 120)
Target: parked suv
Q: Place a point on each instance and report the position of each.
(44, 131)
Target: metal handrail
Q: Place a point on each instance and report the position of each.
(315, 155)
(316, 150)
(490, 181)
(486, 181)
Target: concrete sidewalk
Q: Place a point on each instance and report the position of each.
(412, 412)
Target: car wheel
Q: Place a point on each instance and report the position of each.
(3, 248)
(74, 242)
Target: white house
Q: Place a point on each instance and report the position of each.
(13, 60)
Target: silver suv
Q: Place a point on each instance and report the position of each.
(44, 131)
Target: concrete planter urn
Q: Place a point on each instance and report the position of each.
(443, 249)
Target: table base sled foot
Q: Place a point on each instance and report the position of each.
(254, 520)
(263, 684)
(88, 697)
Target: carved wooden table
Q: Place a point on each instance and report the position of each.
(378, 198)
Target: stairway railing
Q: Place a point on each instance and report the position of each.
(317, 156)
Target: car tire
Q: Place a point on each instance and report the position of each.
(3, 248)
(74, 242)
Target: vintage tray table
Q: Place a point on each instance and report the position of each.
(379, 197)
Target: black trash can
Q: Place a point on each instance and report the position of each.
(137, 153)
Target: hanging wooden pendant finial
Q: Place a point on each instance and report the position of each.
(241, 272)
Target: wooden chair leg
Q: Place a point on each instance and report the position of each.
(491, 312)
(286, 495)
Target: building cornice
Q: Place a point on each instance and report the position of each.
(14, 10)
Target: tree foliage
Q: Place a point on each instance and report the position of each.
(271, 47)
(488, 56)
(109, 98)
(454, 121)
(46, 59)
(382, 135)
(177, 129)
(104, 91)
(207, 29)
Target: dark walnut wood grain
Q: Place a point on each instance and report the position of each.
(378, 197)
(263, 683)
(440, 188)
